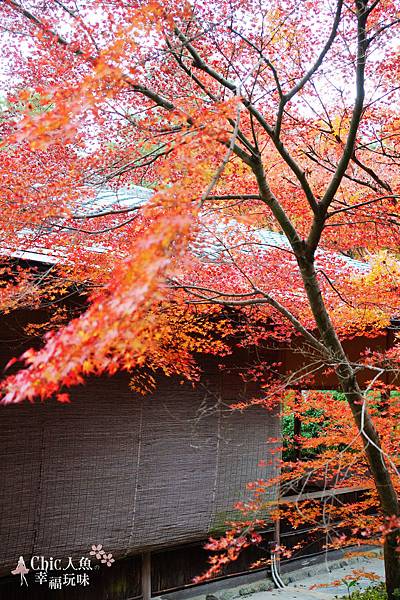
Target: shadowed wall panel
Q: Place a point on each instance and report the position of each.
(127, 472)
(20, 451)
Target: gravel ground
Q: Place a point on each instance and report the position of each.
(300, 578)
(300, 582)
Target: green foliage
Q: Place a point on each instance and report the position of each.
(313, 429)
(376, 592)
(308, 430)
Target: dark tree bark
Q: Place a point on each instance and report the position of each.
(389, 501)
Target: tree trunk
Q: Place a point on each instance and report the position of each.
(392, 565)
(384, 485)
(382, 478)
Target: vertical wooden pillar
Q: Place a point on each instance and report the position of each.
(384, 404)
(146, 576)
(277, 540)
(297, 438)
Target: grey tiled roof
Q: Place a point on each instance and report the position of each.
(209, 244)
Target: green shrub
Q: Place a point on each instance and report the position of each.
(308, 430)
(376, 592)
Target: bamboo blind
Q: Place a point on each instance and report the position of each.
(127, 472)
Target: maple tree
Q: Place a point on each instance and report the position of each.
(241, 118)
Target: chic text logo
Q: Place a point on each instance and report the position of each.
(58, 573)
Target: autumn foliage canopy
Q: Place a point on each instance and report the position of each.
(268, 136)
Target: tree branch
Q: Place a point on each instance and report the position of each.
(366, 203)
(31, 17)
(297, 170)
(279, 213)
(362, 45)
(243, 300)
(348, 151)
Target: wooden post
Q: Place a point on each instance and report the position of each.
(146, 576)
(384, 404)
(297, 438)
(277, 540)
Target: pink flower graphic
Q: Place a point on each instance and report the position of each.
(108, 559)
(97, 551)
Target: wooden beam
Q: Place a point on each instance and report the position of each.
(328, 493)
